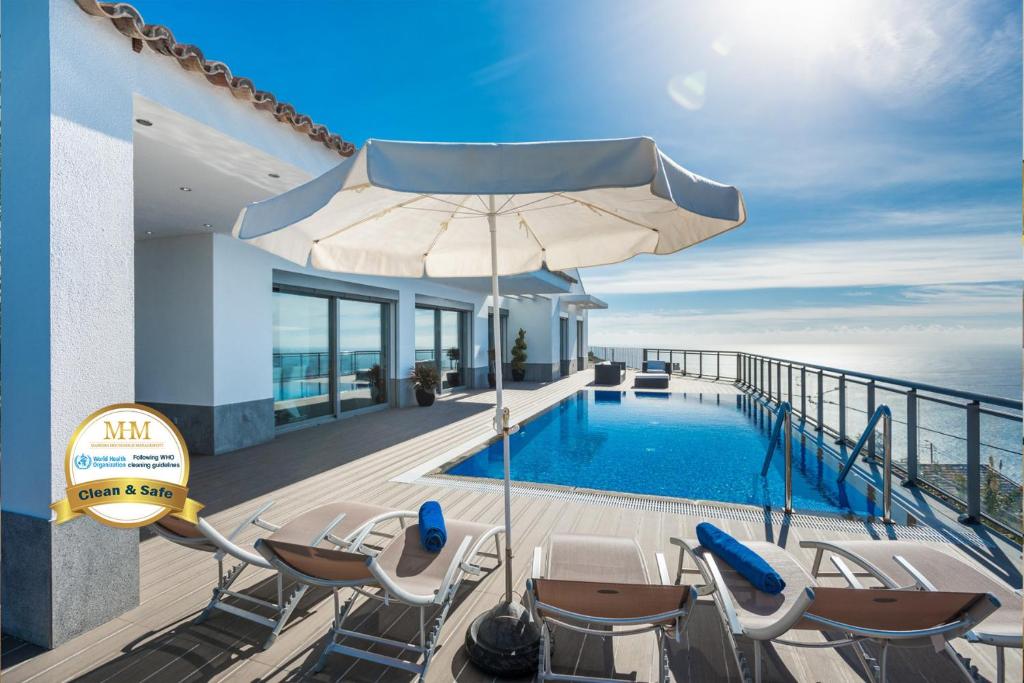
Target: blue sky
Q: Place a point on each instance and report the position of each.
(877, 144)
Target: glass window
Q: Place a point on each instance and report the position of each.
(302, 375)
(451, 347)
(362, 354)
(425, 338)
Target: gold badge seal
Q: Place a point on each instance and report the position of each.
(126, 466)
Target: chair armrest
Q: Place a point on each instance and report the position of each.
(538, 559)
(845, 570)
(254, 518)
(663, 576)
(920, 581)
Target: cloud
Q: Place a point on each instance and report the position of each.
(976, 313)
(911, 261)
(499, 70)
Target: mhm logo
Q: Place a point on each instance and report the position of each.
(126, 430)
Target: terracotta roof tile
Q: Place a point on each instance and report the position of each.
(158, 38)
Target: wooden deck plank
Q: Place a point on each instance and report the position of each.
(357, 459)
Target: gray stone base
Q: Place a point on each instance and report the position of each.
(59, 581)
(212, 430)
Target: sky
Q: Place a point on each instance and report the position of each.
(877, 144)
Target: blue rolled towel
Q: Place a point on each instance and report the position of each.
(749, 564)
(433, 535)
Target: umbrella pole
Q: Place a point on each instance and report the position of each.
(504, 640)
(501, 421)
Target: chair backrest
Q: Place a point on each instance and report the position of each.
(904, 612)
(183, 533)
(655, 366)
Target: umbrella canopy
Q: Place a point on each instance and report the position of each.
(411, 209)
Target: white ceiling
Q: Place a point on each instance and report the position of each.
(223, 173)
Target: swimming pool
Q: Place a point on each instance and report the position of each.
(700, 447)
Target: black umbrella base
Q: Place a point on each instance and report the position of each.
(504, 641)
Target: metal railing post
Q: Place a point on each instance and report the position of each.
(787, 424)
(789, 381)
(887, 467)
(911, 479)
(671, 364)
(871, 411)
(718, 365)
(700, 363)
(684, 363)
(821, 401)
(803, 393)
(973, 513)
(842, 409)
(769, 380)
(778, 380)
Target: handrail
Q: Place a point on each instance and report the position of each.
(783, 421)
(920, 386)
(885, 415)
(783, 410)
(881, 412)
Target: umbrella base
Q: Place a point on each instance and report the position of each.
(504, 641)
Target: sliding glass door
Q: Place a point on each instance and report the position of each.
(440, 340)
(362, 354)
(330, 356)
(302, 360)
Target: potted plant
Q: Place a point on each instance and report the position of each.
(426, 382)
(453, 362)
(376, 379)
(490, 368)
(519, 356)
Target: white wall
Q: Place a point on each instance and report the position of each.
(174, 350)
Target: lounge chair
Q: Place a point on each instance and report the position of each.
(337, 523)
(887, 617)
(402, 572)
(655, 375)
(591, 584)
(914, 565)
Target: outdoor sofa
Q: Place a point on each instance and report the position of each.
(609, 373)
(655, 375)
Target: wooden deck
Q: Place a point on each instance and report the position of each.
(357, 459)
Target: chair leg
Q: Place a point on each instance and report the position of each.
(285, 613)
(662, 657)
(757, 661)
(858, 649)
(224, 582)
(884, 663)
(1000, 665)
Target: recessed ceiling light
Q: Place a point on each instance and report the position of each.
(274, 175)
(207, 225)
(144, 122)
(149, 232)
(183, 188)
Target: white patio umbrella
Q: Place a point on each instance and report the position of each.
(412, 209)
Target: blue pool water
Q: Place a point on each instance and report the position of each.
(683, 445)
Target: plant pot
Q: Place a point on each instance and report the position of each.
(490, 380)
(424, 398)
(518, 375)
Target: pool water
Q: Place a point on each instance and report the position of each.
(700, 447)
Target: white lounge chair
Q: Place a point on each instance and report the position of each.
(594, 584)
(403, 571)
(337, 523)
(887, 617)
(914, 565)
